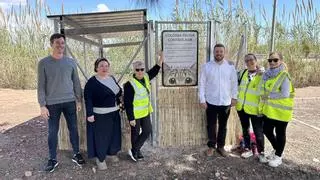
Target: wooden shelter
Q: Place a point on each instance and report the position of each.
(178, 120)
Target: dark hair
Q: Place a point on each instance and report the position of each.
(56, 36)
(251, 54)
(280, 55)
(96, 63)
(219, 45)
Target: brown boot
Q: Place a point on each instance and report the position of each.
(209, 152)
(222, 152)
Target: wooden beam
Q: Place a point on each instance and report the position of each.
(106, 29)
(122, 44)
(83, 39)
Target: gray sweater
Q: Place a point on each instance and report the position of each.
(58, 81)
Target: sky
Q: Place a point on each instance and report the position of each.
(164, 10)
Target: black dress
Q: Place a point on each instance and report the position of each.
(104, 134)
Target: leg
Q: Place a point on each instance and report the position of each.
(281, 128)
(268, 128)
(211, 113)
(146, 131)
(115, 144)
(103, 130)
(223, 115)
(245, 124)
(257, 125)
(53, 128)
(135, 131)
(70, 113)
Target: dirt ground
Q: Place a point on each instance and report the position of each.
(23, 149)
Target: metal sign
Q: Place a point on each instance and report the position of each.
(180, 66)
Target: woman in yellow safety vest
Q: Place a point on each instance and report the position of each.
(248, 105)
(138, 105)
(276, 105)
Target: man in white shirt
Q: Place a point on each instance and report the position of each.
(218, 90)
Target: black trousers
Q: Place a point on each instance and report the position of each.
(214, 113)
(137, 139)
(107, 134)
(257, 125)
(277, 139)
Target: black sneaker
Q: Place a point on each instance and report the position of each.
(52, 164)
(133, 155)
(78, 159)
(139, 155)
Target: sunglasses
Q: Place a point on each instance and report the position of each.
(142, 69)
(274, 60)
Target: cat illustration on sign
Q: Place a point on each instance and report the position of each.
(184, 76)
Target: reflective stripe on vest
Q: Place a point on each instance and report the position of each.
(248, 96)
(280, 108)
(141, 102)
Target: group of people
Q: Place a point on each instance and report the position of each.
(59, 91)
(266, 98)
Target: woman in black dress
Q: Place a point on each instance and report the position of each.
(101, 95)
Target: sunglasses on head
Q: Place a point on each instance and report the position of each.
(141, 69)
(274, 60)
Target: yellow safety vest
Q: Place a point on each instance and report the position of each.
(141, 102)
(248, 94)
(280, 109)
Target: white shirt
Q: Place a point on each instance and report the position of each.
(218, 83)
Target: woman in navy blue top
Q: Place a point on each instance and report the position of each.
(101, 94)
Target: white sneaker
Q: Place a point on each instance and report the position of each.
(275, 162)
(271, 155)
(248, 153)
(101, 165)
(262, 158)
(131, 155)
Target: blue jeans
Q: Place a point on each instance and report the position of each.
(69, 111)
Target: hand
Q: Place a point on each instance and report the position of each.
(204, 105)
(233, 102)
(44, 112)
(91, 118)
(133, 123)
(160, 58)
(121, 106)
(79, 106)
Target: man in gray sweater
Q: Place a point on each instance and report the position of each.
(59, 91)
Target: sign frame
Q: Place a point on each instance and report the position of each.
(196, 61)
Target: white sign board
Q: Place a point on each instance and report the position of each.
(180, 49)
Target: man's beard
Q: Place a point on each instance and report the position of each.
(218, 58)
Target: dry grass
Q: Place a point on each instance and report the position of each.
(25, 31)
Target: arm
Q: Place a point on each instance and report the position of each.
(88, 98)
(42, 91)
(155, 69)
(202, 84)
(118, 96)
(285, 90)
(128, 100)
(76, 84)
(41, 85)
(234, 83)
(153, 72)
